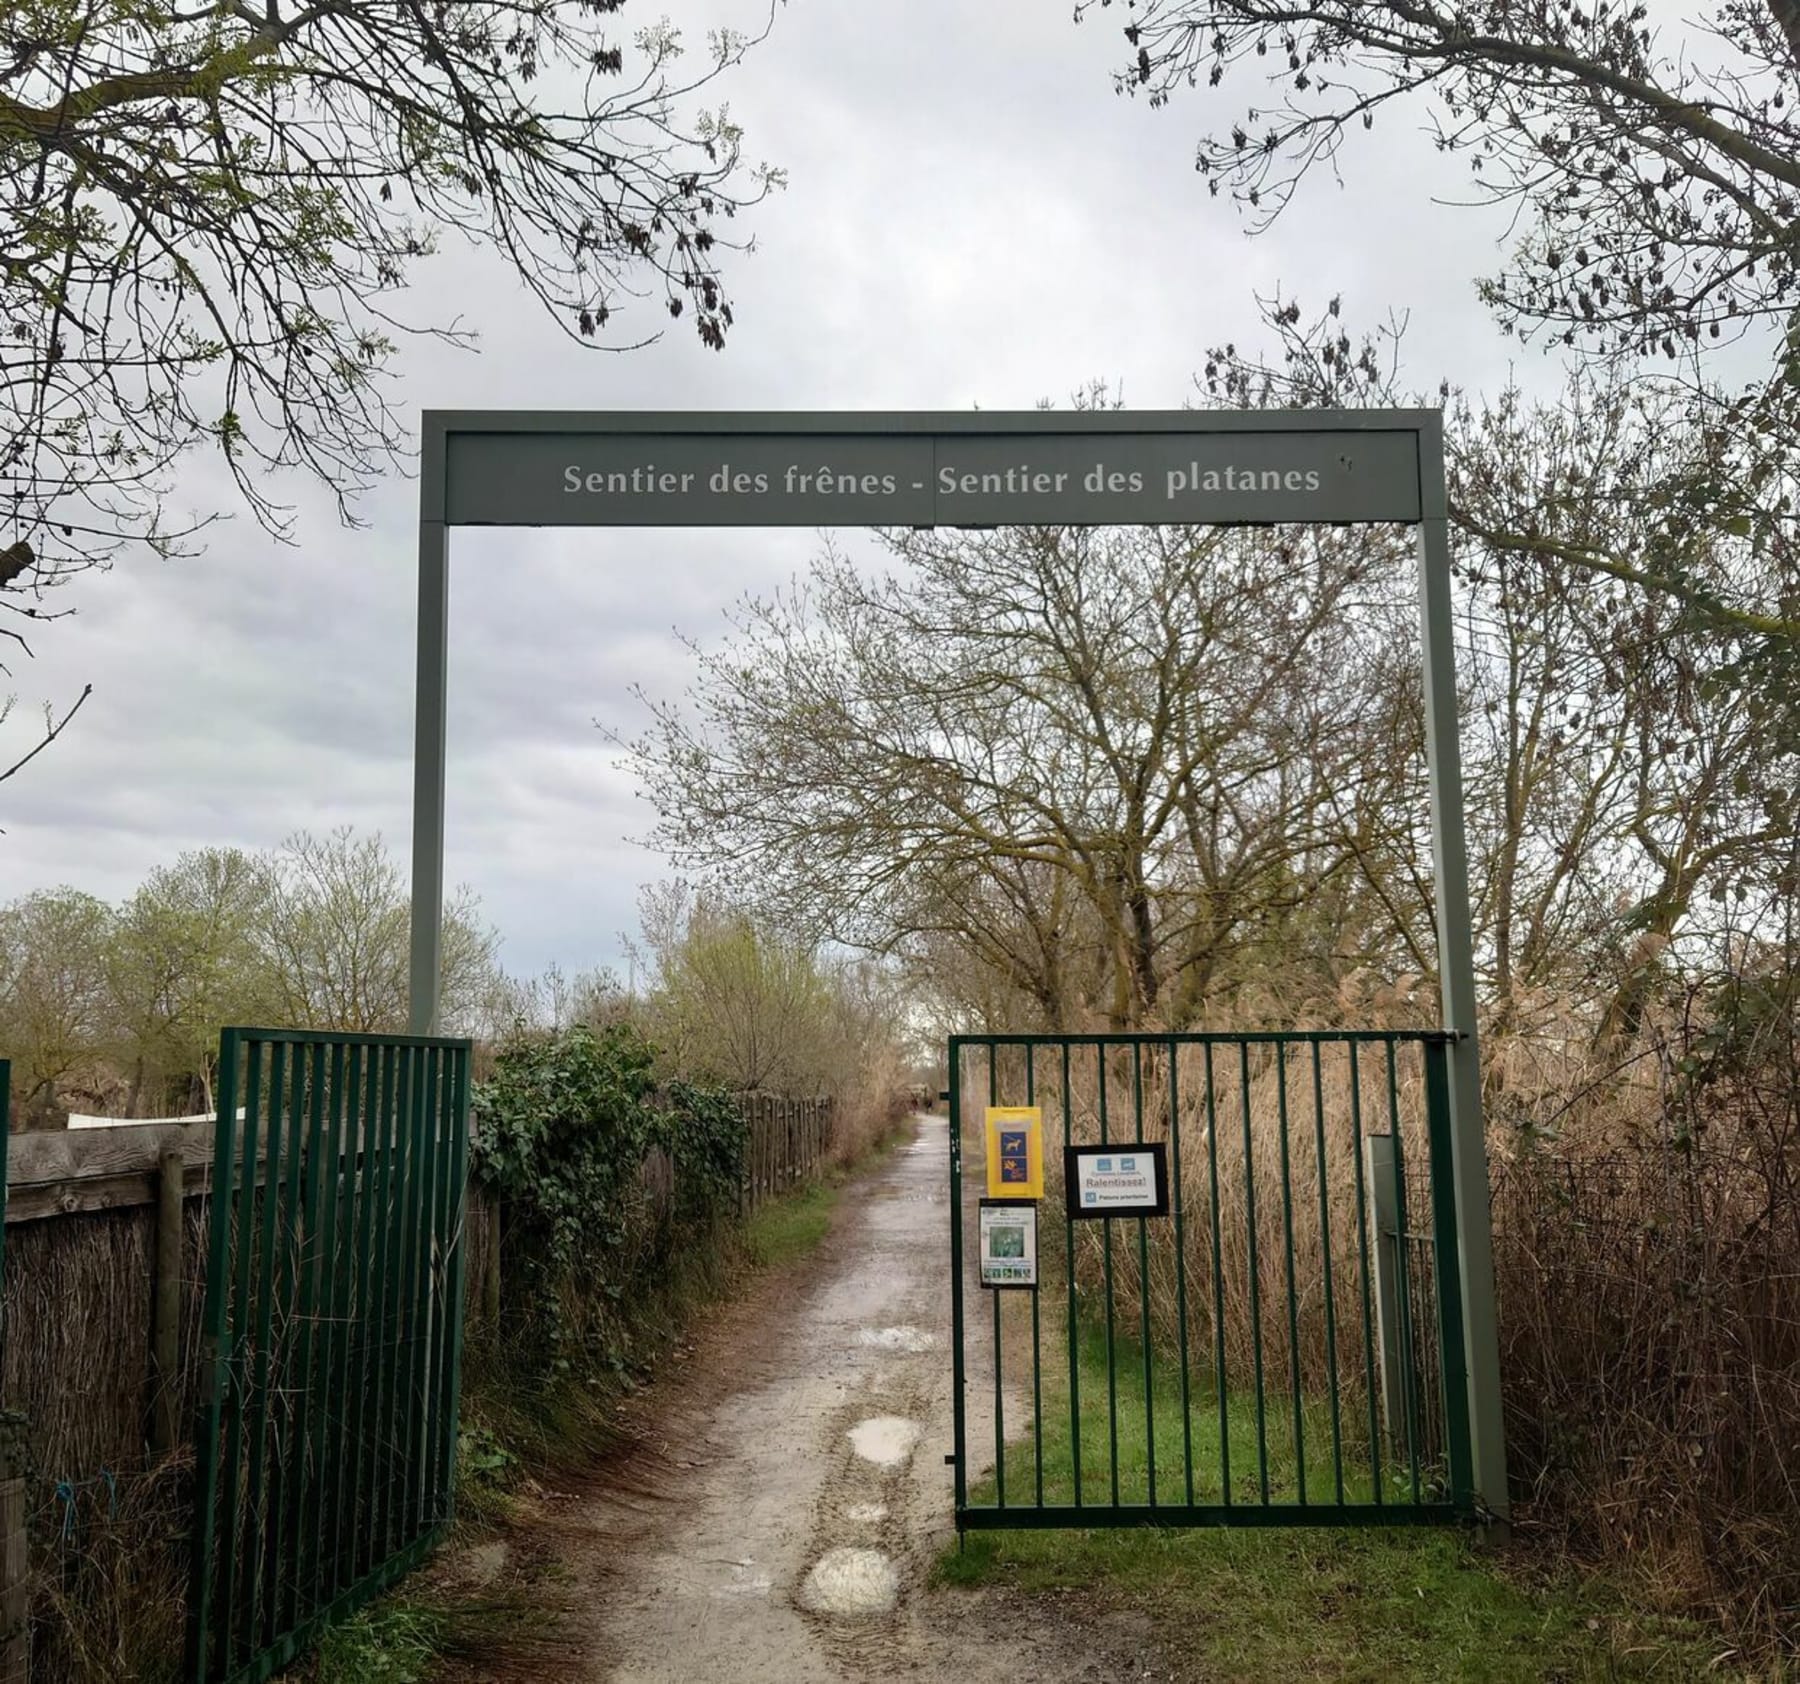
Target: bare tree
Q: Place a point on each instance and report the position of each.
(1071, 752)
(1657, 161)
(207, 215)
(335, 937)
(1628, 648)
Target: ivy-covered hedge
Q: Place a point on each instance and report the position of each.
(563, 1130)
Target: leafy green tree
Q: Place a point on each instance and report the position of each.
(186, 960)
(734, 999)
(55, 1006)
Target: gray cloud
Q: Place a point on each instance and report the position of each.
(973, 217)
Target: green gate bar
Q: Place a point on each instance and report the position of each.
(1285, 1424)
(332, 1335)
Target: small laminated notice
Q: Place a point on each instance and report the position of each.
(1008, 1242)
(1124, 1180)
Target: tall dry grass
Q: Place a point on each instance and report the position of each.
(1647, 1247)
(871, 1108)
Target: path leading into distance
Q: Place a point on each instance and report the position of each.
(792, 1491)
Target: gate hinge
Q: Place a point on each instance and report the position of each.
(950, 1460)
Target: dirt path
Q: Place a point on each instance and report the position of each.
(779, 1520)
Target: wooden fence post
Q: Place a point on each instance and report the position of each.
(490, 1282)
(15, 1623)
(165, 1329)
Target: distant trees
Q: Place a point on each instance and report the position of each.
(335, 945)
(118, 1009)
(121, 1007)
(187, 954)
(736, 999)
(54, 1003)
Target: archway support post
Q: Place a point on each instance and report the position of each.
(1456, 982)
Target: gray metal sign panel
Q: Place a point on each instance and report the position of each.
(966, 470)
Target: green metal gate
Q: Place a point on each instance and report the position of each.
(1281, 1344)
(326, 1437)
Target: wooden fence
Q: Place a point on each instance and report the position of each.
(105, 1270)
(788, 1142)
(102, 1299)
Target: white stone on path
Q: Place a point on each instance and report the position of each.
(851, 1583)
(885, 1440)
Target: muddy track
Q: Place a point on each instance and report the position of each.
(786, 1492)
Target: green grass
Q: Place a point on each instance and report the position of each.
(786, 1229)
(795, 1225)
(1265, 1459)
(393, 1642)
(1397, 1605)
(402, 1638)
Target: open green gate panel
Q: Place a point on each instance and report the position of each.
(326, 1439)
(1278, 1340)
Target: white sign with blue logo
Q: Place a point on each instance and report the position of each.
(1117, 1180)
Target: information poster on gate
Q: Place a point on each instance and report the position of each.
(1015, 1152)
(1117, 1180)
(1008, 1242)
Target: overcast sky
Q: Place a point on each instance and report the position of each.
(972, 218)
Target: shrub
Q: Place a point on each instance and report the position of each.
(598, 1174)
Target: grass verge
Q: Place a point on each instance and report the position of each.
(1397, 1605)
(785, 1230)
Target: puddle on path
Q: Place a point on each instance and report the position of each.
(906, 1338)
(885, 1440)
(851, 1582)
(866, 1514)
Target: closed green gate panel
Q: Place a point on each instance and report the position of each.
(326, 1439)
(1279, 1341)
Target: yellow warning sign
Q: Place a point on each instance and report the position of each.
(1015, 1152)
